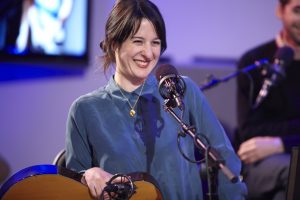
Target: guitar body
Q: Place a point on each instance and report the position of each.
(50, 182)
(47, 186)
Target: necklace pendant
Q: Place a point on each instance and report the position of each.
(132, 113)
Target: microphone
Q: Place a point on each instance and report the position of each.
(171, 85)
(283, 57)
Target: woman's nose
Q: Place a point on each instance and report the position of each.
(147, 51)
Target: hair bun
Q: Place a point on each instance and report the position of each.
(103, 46)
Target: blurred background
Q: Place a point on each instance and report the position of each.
(204, 38)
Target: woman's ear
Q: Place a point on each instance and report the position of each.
(115, 47)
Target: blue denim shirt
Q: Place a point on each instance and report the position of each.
(100, 132)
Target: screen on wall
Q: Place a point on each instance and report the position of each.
(44, 31)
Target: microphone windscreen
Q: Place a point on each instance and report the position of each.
(285, 54)
(164, 70)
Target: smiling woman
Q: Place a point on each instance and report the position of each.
(121, 128)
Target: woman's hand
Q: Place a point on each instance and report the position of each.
(96, 178)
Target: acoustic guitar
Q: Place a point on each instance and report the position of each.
(51, 182)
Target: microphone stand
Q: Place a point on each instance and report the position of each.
(215, 160)
(213, 81)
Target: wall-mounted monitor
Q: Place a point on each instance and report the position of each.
(44, 31)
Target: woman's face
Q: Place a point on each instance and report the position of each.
(138, 55)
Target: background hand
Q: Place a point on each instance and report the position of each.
(258, 148)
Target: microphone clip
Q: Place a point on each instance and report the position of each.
(119, 187)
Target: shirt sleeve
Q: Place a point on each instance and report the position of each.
(78, 152)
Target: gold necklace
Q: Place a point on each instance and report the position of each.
(132, 111)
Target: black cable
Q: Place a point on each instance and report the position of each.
(181, 134)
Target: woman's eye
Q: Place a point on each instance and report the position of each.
(137, 41)
(156, 42)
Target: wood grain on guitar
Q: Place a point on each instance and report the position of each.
(49, 182)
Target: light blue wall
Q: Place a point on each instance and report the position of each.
(33, 112)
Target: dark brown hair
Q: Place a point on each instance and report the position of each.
(124, 21)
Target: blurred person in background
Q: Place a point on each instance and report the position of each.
(268, 131)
